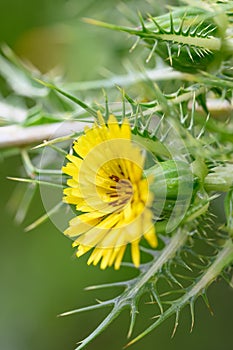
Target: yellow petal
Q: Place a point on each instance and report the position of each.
(105, 258)
(113, 127)
(119, 257)
(95, 257)
(135, 253)
(82, 250)
(125, 129)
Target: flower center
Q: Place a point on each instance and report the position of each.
(123, 191)
(117, 182)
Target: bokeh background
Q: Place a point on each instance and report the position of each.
(39, 277)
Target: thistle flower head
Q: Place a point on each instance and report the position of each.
(109, 188)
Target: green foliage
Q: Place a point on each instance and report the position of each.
(187, 127)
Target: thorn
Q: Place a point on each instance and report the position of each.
(172, 278)
(184, 264)
(43, 218)
(189, 53)
(227, 279)
(176, 323)
(133, 312)
(106, 104)
(197, 52)
(123, 105)
(202, 131)
(154, 317)
(205, 298)
(56, 140)
(210, 31)
(192, 112)
(207, 51)
(142, 21)
(99, 301)
(194, 33)
(171, 23)
(187, 32)
(201, 33)
(158, 126)
(192, 315)
(157, 299)
(179, 48)
(152, 52)
(160, 29)
(200, 50)
(87, 308)
(107, 285)
(181, 24)
(135, 45)
(169, 53)
(166, 134)
(231, 283)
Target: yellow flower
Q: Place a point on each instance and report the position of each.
(108, 187)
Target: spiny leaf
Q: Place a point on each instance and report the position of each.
(39, 182)
(191, 304)
(223, 259)
(108, 285)
(133, 314)
(20, 82)
(57, 140)
(137, 286)
(44, 217)
(88, 308)
(69, 96)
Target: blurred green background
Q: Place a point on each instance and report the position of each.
(39, 277)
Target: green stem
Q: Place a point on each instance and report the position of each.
(207, 43)
(161, 74)
(32, 170)
(35, 181)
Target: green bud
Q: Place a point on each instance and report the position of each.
(188, 39)
(173, 188)
(171, 179)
